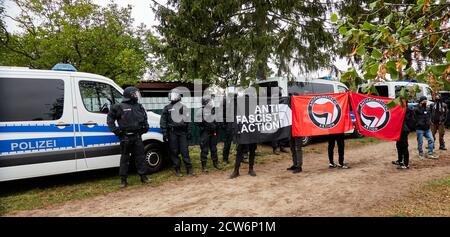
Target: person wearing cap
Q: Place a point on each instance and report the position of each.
(423, 123)
(132, 122)
(439, 113)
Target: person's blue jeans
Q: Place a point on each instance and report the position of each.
(427, 134)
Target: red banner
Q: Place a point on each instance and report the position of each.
(374, 119)
(315, 115)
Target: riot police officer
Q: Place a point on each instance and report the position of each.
(176, 128)
(206, 121)
(132, 122)
(227, 125)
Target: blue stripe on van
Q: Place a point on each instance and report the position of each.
(53, 128)
(35, 128)
(43, 144)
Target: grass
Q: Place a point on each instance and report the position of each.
(42, 192)
(431, 200)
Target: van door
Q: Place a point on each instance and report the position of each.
(36, 127)
(101, 146)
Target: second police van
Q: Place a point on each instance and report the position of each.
(54, 122)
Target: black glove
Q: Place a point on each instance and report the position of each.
(166, 137)
(118, 132)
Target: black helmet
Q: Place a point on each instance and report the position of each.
(131, 93)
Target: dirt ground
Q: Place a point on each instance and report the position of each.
(372, 183)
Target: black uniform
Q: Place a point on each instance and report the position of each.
(227, 126)
(132, 120)
(205, 120)
(177, 134)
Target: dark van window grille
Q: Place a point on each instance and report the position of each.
(31, 99)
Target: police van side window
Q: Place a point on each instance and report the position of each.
(97, 97)
(31, 99)
(116, 95)
(320, 88)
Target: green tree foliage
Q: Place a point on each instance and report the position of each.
(231, 41)
(405, 39)
(93, 39)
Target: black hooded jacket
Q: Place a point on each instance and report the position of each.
(130, 116)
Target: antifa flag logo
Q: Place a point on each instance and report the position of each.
(324, 111)
(373, 114)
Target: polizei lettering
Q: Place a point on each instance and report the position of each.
(33, 145)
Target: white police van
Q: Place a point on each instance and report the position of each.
(305, 87)
(54, 122)
(390, 88)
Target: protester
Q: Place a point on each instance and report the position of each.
(402, 145)
(332, 139)
(297, 155)
(439, 113)
(240, 156)
(423, 122)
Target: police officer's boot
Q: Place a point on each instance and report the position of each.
(190, 172)
(123, 182)
(235, 173)
(251, 171)
(178, 172)
(204, 169)
(144, 179)
(216, 164)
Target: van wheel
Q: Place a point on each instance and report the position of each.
(153, 157)
(306, 141)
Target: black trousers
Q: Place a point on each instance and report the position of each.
(339, 138)
(227, 144)
(208, 142)
(132, 145)
(178, 144)
(243, 148)
(279, 143)
(296, 150)
(402, 148)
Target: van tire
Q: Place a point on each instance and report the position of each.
(306, 141)
(153, 157)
